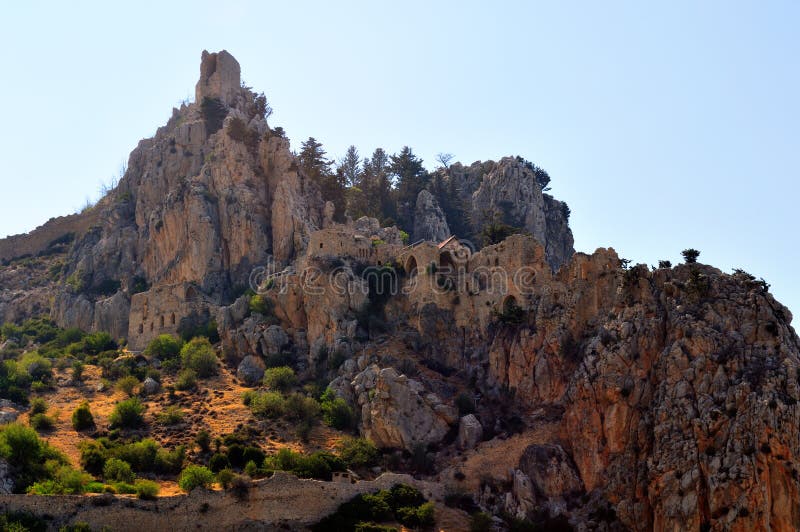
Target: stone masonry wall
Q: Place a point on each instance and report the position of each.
(41, 237)
(280, 501)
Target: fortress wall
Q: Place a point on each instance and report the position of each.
(160, 311)
(282, 500)
(41, 237)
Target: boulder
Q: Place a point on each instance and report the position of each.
(6, 480)
(250, 370)
(273, 339)
(396, 412)
(470, 432)
(150, 386)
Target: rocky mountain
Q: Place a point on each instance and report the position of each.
(534, 385)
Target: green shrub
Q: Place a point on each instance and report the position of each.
(164, 347)
(96, 343)
(261, 305)
(172, 415)
(127, 414)
(358, 452)
(141, 455)
(128, 385)
(186, 380)
(363, 511)
(198, 355)
(95, 487)
(93, 456)
(301, 407)
(480, 522)
(116, 470)
(280, 378)
(42, 422)
(219, 462)
(317, 465)
(203, 440)
(82, 418)
(146, 489)
(225, 478)
(36, 366)
(124, 488)
(336, 412)
(417, 517)
(22, 522)
(170, 462)
(38, 406)
(267, 404)
(251, 469)
(63, 481)
(214, 113)
(195, 476)
(77, 371)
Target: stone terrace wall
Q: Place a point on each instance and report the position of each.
(282, 500)
(41, 237)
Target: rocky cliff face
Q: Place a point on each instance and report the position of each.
(208, 198)
(509, 189)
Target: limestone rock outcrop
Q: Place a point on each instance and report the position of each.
(397, 412)
(201, 202)
(429, 220)
(219, 77)
(508, 189)
(250, 370)
(470, 432)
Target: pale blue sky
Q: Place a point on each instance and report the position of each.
(664, 125)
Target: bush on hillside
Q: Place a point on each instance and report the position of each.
(82, 418)
(164, 347)
(195, 476)
(127, 414)
(198, 355)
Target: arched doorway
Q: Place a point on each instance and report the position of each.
(411, 266)
(446, 263)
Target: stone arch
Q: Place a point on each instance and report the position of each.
(141, 328)
(191, 293)
(172, 319)
(411, 266)
(161, 321)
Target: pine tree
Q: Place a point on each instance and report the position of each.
(314, 164)
(312, 160)
(377, 187)
(350, 165)
(411, 177)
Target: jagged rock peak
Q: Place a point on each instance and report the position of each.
(429, 220)
(220, 77)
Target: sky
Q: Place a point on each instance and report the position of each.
(664, 125)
